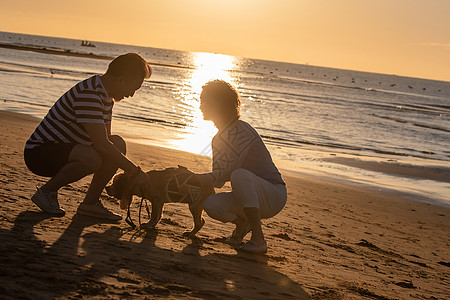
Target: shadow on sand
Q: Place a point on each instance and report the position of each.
(92, 258)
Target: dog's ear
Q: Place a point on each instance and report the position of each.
(125, 199)
(121, 189)
(117, 186)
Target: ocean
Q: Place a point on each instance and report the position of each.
(350, 126)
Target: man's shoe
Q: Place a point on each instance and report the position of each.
(48, 202)
(254, 247)
(97, 210)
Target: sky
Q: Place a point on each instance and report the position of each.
(401, 37)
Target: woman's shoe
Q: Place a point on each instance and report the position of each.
(236, 239)
(254, 247)
(233, 241)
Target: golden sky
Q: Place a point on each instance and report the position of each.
(402, 37)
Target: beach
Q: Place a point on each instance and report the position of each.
(331, 241)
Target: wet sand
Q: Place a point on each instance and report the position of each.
(332, 241)
(441, 174)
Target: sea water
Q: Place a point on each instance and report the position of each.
(305, 114)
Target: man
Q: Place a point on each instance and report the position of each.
(74, 139)
(239, 156)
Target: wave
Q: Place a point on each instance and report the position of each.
(425, 109)
(150, 120)
(412, 123)
(25, 102)
(352, 87)
(298, 143)
(39, 70)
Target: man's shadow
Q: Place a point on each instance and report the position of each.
(33, 269)
(22, 257)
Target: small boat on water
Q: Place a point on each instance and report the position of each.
(87, 44)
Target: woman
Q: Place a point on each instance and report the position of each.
(239, 156)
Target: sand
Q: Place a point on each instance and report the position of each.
(332, 241)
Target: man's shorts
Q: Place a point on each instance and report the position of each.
(47, 159)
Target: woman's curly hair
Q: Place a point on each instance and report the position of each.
(225, 93)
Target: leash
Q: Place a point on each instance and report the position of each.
(129, 220)
(146, 208)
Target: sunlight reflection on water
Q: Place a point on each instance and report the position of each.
(196, 137)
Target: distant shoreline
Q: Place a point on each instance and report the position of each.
(67, 52)
(55, 51)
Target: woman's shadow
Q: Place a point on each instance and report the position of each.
(241, 274)
(165, 272)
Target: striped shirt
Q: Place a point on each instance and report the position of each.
(86, 102)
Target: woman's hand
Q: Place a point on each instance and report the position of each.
(204, 181)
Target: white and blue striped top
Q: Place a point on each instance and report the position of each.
(86, 102)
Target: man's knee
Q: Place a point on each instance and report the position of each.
(119, 142)
(90, 159)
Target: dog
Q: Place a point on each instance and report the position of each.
(162, 189)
